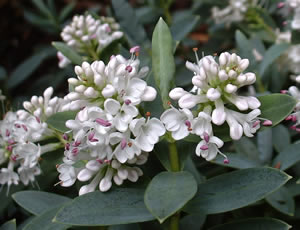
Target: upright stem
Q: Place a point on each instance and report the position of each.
(173, 156)
(175, 167)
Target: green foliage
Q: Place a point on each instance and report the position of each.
(74, 57)
(9, 225)
(58, 120)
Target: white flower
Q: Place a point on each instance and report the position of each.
(202, 123)
(28, 174)
(63, 61)
(178, 122)
(147, 132)
(8, 176)
(209, 148)
(68, 175)
(29, 153)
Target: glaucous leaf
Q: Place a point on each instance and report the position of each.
(163, 63)
(264, 145)
(192, 222)
(118, 206)
(235, 190)
(9, 225)
(74, 57)
(281, 137)
(37, 202)
(183, 24)
(58, 120)
(254, 224)
(168, 192)
(282, 201)
(288, 157)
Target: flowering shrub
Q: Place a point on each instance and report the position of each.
(151, 135)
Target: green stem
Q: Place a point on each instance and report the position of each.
(175, 167)
(173, 156)
(174, 222)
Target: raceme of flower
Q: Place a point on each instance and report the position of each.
(90, 36)
(234, 12)
(109, 137)
(210, 102)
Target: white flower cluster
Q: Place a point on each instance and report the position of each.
(214, 94)
(291, 57)
(19, 133)
(110, 138)
(295, 116)
(234, 12)
(85, 32)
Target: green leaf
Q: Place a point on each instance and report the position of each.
(58, 120)
(281, 137)
(189, 166)
(3, 73)
(163, 63)
(183, 26)
(129, 22)
(237, 161)
(282, 201)
(37, 202)
(276, 107)
(125, 227)
(235, 190)
(288, 157)
(9, 225)
(254, 224)
(44, 221)
(271, 55)
(264, 145)
(74, 57)
(66, 11)
(192, 222)
(246, 147)
(118, 206)
(42, 7)
(168, 192)
(25, 69)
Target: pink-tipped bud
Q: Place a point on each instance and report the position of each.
(204, 147)
(65, 136)
(256, 123)
(206, 137)
(10, 142)
(226, 161)
(188, 123)
(135, 49)
(127, 102)
(123, 143)
(294, 127)
(103, 122)
(14, 157)
(267, 123)
(280, 5)
(75, 151)
(284, 91)
(128, 69)
(294, 118)
(107, 161)
(298, 130)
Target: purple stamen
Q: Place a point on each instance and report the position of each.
(10, 141)
(75, 151)
(103, 122)
(65, 136)
(9, 148)
(7, 133)
(256, 123)
(25, 127)
(284, 91)
(280, 5)
(134, 49)
(99, 161)
(14, 158)
(188, 123)
(289, 117)
(128, 68)
(18, 126)
(127, 102)
(76, 143)
(123, 143)
(226, 161)
(206, 137)
(91, 137)
(38, 119)
(267, 123)
(67, 146)
(204, 147)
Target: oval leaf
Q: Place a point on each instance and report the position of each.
(163, 63)
(118, 206)
(235, 190)
(282, 201)
(44, 222)
(37, 202)
(168, 192)
(9, 225)
(74, 57)
(58, 120)
(254, 224)
(288, 157)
